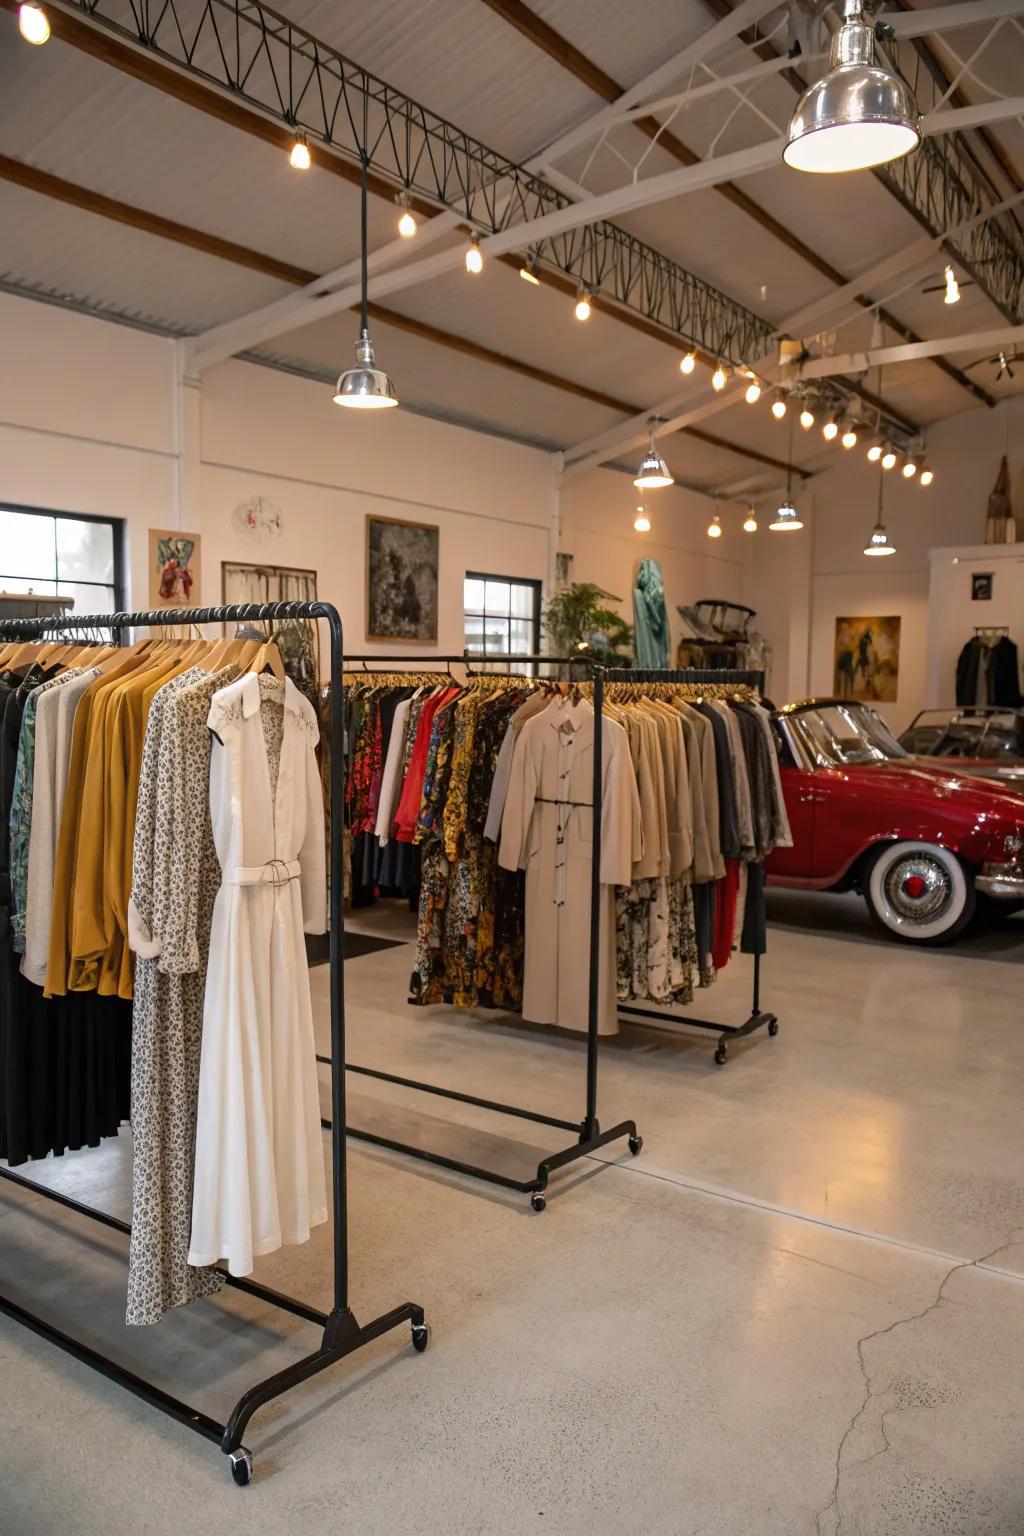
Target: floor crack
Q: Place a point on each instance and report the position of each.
(870, 1391)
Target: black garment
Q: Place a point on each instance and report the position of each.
(1002, 677)
(728, 814)
(704, 919)
(753, 937)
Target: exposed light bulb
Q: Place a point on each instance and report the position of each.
(952, 293)
(779, 408)
(753, 393)
(407, 225)
(583, 305)
(927, 476)
(641, 521)
(300, 159)
(688, 362)
(909, 470)
(528, 273)
(715, 528)
(830, 430)
(719, 378)
(806, 419)
(849, 438)
(888, 459)
(875, 452)
(474, 257)
(33, 23)
(750, 522)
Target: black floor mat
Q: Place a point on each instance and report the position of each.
(318, 946)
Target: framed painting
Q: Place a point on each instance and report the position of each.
(867, 659)
(175, 573)
(401, 580)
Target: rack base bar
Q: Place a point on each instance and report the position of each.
(240, 1282)
(534, 1187)
(727, 1032)
(460, 1098)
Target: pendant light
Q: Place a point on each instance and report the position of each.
(299, 157)
(807, 418)
(407, 225)
(719, 378)
(653, 472)
(33, 24)
(715, 527)
(779, 407)
(859, 113)
(787, 519)
(753, 393)
(583, 305)
(641, 522)
(688, 362)
(750, 522)
(474, 257)
(879, 544)
(365, 387)
(528, 273)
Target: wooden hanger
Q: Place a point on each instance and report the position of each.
(267, 656)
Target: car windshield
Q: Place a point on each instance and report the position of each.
(835, 735)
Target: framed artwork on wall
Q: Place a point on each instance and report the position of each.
(174, 568)
(867, 659)
(402, 563)
(296, 639)
(982, 583)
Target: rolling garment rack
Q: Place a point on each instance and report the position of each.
(342, 1334)
(588, 1132)
(759, 1019)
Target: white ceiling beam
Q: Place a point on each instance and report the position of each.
(709, 88)
(948, 18)
(912, 352)
(958, 119)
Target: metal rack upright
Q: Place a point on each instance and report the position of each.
(342, 1334)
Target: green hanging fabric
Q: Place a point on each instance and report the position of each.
(650, 616)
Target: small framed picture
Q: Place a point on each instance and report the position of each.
(981, 586)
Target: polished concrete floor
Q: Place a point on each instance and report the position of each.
(800, 1309)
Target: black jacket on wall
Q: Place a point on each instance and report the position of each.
(1000, 663)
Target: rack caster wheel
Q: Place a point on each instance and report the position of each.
(635, 1144)
(420, 1337)
(241, 1466)
(538, 1201)
(721, 1055)
(773, 1026)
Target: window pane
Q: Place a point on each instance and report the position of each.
(85, 551)
(497, 636)
(26, 542)
(28, 584)
(497, 597)
(473, 595)
(88, 599)
(522, 601)
(521, 637)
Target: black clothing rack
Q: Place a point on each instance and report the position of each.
(725, 677)
(342, 1334)
(588, 1131)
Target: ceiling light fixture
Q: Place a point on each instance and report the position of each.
(583, 305)
(830, 430)
(33, 24)
(787, 519)
(879, 542)
(528, 273)
(750, 522)
(364, 387)
(952, 293)
(641, 521)
(778, 408)
(849, 438)
(927, 476)
(720, 378)
(874, 453)
(807, 418)
(753, 393)
(909, 469)
(653, 473)
(859, 113)
(407, 225)
(474, 257)
(715, 527)
(299, 159)
(888, 459)
(688, 362)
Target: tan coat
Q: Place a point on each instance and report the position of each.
(554, 762)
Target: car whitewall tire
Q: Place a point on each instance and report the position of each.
(919, 892)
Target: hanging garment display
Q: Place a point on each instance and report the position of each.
(988, 672)
(650, 616)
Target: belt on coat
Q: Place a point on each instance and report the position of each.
(273, 872)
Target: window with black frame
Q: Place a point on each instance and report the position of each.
(501, 615)
(50, 554)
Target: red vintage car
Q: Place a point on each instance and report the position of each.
(920, 841)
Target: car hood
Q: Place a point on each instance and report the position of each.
(921, 778)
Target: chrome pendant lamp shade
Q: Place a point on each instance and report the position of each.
(859, 113)
(365, 387)
(787, 519)
(879, 544)
(653, 473)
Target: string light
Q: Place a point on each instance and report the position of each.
(849, 438)
(806, 419)
(952, 293)
(875, 453)
(528, 273)
(927, 476)
(830, 430)
(641, 521)
(583, 305)
(33, 24)
(474, 257)
(719, 378)
(407, 225)
(753, 393)
(300, 159)
(909, 470)
(688, 362)
(888, 459)
(778, 408)
(715, 528)
(750, 522)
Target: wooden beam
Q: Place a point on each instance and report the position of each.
(57, 188)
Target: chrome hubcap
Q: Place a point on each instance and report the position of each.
(918, 889)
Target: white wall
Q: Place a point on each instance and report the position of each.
(953, 613)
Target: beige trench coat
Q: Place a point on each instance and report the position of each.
(554, 762)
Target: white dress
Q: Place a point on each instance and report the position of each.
(259, 1167)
